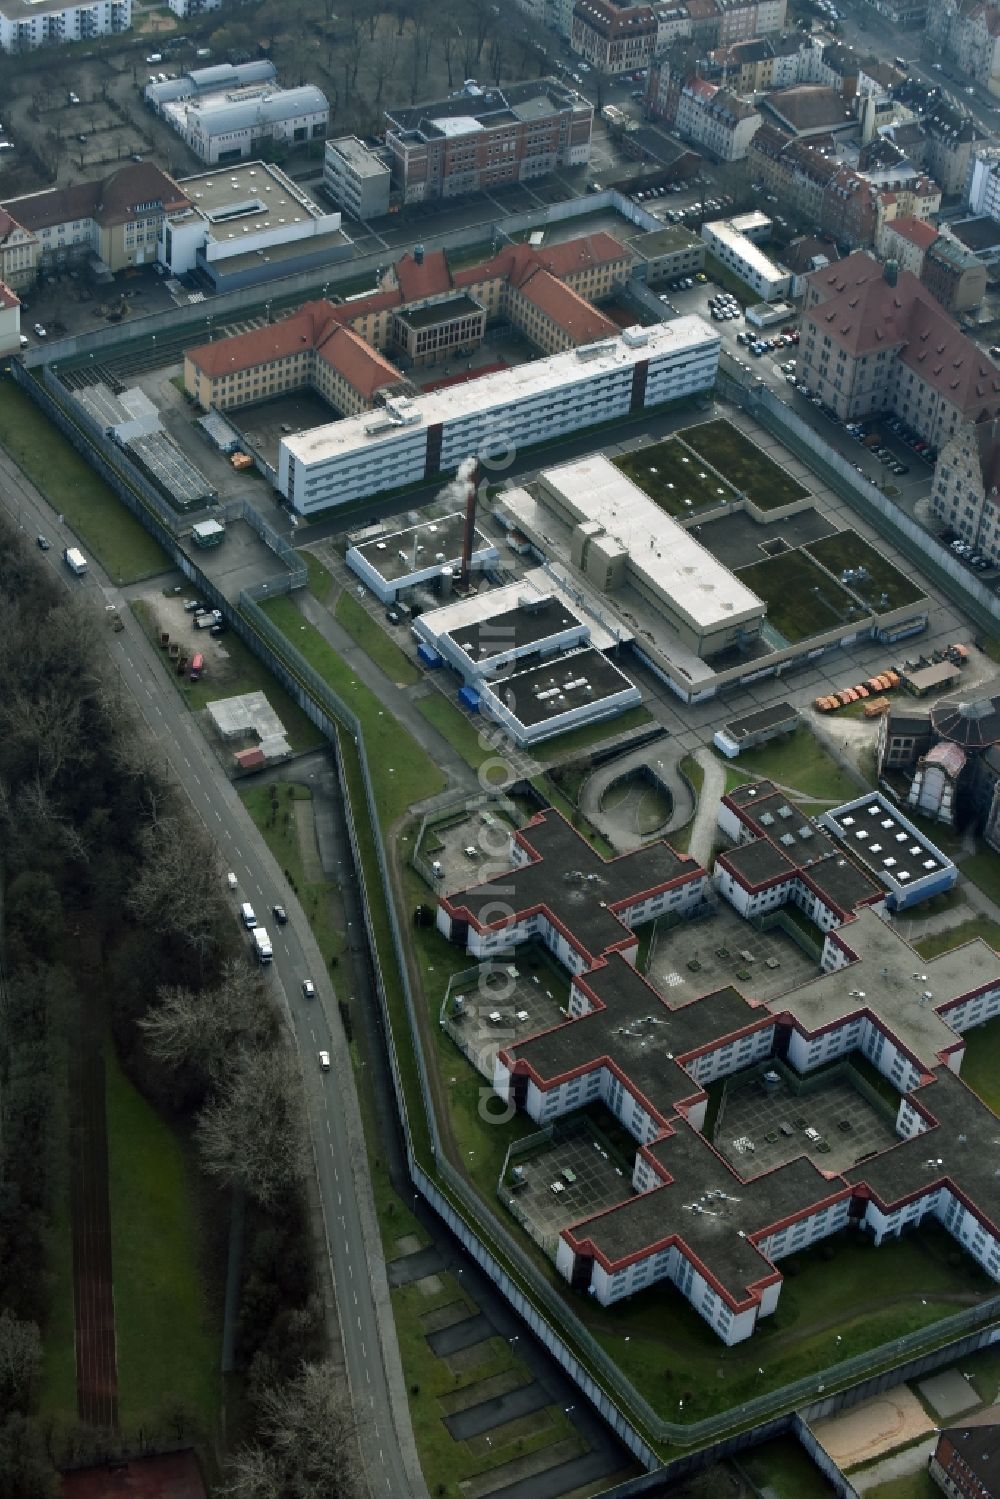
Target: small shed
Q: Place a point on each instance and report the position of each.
(208, 533)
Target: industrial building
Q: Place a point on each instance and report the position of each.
(408, 440)
(25, 24)
(229, 113)
(732, 241)
(393, 564)
(708, 1223)
(752, 729)
(551, 697)
(243, 224)
(357, 178)
(486, 137)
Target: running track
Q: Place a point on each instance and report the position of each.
(93, 1290)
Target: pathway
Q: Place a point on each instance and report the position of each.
(661, 758)
(703, 831)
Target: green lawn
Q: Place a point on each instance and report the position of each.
(373, 640)
(984, 870)
(567, 745)
(461, 732)
(168, 1334)
(105, 528)
(692, 769)
(674, 478)
(847, 1286)
(796, 760)
(747, 468)
(785, 1468)
(320, 578)
(801, 600)
(57, 1393)
(884, 588)
(401, 773)
(919, 1485)
(244, 672)
(275, 817)
(981, 1063)
(966, 931)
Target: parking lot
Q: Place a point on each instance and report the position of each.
(760, 1127)
(698, 957)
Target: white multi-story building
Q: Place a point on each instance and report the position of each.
(732, 241)
(25, 24)
(983, 189)
(187, 8)
(432, 433)
(716, 119)
(357, 178)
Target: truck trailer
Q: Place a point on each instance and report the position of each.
(75, 561)
(262, 944)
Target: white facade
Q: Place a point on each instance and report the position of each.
(24, 26)
(984, 183)
(515, 408)
(716, 120)
(727, 241)
(356, 178)
(226, 114)
(186, 8)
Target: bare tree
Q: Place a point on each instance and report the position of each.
(307, 1445)
(175, 891)
(199, 1031)
(252, 1135)
(384, 67)
(20, 1359)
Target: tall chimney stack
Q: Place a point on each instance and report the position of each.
(470, 524)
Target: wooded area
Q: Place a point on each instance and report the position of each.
(113, 906)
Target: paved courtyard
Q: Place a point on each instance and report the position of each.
(698, 957)
(771, 1126)
(504, 1003)
(473, 848)
(573, 1178)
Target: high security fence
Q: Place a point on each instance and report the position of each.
(502, 1258)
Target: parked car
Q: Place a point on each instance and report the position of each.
(40, 331)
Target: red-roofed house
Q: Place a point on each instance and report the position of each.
(906, 240)
(874, 340)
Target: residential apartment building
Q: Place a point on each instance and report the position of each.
(187, 8)
(966, 491)
(613, 38)
(716, 120)
(953, 275)
(874, 341)
(905, 240)
(25, 24)
(951, 135)
(487, 137)
(983, 187)
(967, 33)
(117, 220)
(738, 20)
(357, 178)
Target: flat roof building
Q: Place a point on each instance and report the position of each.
(751, 729)
(554, 696)
(730, 240)
(392, 563)
(357, 178)
(711, 1224)
(487, 137)
(901, 858)
(433, 432)
(248, 223)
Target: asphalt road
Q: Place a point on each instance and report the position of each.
(353, 1250)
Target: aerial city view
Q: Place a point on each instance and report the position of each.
(499, 749)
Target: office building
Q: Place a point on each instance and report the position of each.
(357, 178)
(25, 24)
(483, 137)
(733, 242)
(874, 341)
(115, 221)
(248, 223)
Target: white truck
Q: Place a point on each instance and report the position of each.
(262, 944)
(75, 561)
(207, 619)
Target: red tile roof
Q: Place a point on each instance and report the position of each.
(7, 297)
(428, 278)
(111, 200)
(862, 312)
(567, 309)
(917, 231)
(363, 367)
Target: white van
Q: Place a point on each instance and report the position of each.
(249, 919)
